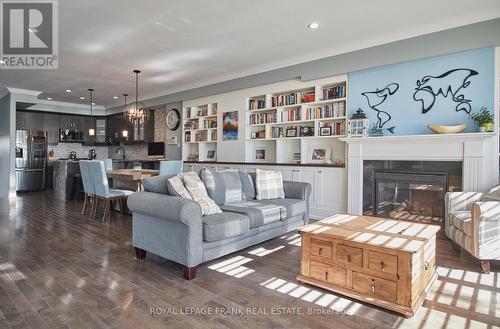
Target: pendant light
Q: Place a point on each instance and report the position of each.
(137, 113)
(125, 131)
(92, 128)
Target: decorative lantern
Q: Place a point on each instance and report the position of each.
(358, 125)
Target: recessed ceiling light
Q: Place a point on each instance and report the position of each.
(82, 98)
(2, 62)
(49, 98)
(313, 25)
(68, 90)
(115, 97)
(93, 104)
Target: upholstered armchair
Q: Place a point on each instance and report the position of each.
(472, 222)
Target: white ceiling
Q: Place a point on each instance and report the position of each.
(185, 44)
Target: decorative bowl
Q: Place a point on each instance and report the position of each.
(447, 129)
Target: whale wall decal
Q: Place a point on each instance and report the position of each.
(377, 98)
(450, 83)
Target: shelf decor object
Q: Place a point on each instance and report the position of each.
(447, 129)
(358, 125)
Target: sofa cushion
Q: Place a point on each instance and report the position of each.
(176, 187)
(290, 207)
(492, 195)
(224, 225)
(258, 213)
(156, 184)
(247, 186)
(462, 220)
(269, 184)
(198, 192)
(222, 186)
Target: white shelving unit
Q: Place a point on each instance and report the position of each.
(200, 132)
(286, 125)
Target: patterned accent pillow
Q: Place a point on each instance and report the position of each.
(176, 187)
(492, 195)
(222, 186)
(198, 192)
(269, 184)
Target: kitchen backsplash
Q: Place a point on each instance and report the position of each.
(62, 150)
(132, 152)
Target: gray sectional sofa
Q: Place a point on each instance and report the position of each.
(174, 228)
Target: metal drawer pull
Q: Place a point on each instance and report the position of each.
(382, 266)
(373, 288)
(320, 251)
(326, 276)
(426, 266)
(349, 258)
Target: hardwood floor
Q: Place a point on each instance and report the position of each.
(59, 269)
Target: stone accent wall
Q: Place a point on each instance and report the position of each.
(132, 152)
(62, 150)
(160, 124)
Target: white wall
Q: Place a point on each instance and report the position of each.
(4, 145)
(234, 151)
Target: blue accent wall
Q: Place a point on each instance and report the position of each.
(406, 112)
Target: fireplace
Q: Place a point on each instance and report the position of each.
(409, 190)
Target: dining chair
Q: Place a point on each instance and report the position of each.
(103, 192)
(88, 185)
(108, 164)
(170, 167)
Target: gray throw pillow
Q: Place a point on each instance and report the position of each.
(492, 195)
(156, 184)
(223, 186)
(247, 186)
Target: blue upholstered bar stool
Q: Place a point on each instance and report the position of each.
(170, 167)
(108, 164)
(102, 190)
(88, 185)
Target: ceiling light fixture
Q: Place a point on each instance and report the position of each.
(115, 97)
(313, 25)
(137, 114)
(91, 129)
(49, 98)
(125, 131)
(68, 90)
(82, 98)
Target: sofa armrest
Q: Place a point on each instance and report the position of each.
(297, 190)
(460, 201)
(165, 206)
(486, 229)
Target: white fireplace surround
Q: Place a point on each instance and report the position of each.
(477, 151)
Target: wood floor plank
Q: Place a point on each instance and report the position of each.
(60, 269)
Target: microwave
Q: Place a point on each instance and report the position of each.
(72, 135)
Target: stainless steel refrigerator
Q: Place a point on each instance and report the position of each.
(31, 160)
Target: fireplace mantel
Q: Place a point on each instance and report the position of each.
(477, 151)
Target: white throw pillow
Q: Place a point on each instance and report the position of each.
(492, 195)
(198, 192)
(176, 187)
(269, 185)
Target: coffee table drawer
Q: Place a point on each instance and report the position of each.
(386, 263)
(349, 255)
(321, 248)
(377, 287)
(328, 273)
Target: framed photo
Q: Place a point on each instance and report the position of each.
(319, 155)
(261, 153)
(211, 155)
(306, 131)
(230, 126)
(291, 132)
(325, 131)
(171, 140)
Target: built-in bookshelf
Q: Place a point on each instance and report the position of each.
(289, 123)
(199, 132)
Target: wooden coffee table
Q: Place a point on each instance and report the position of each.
(388, 263)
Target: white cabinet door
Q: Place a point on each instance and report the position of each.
(187, 167)
(305, 175)
(329, 189)
(286, 173)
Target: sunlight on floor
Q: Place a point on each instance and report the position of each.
(233, 267)
(261, 252)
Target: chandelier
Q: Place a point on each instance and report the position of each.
(136, 113)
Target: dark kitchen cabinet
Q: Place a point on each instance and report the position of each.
(51, 126)
(29, 120)
(72, 121)
(20, 119)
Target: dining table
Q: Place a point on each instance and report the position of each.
(131, 177)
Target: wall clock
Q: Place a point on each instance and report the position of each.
(173, 119)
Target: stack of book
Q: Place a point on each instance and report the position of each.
(191, 125)
(200, 136)
(187, 137)
(209, 123)
(284, 132)
(261, 118)
(292, 114)
(338, 128)
(334, 92)
(334, 110)
(213, 135)
(291, 98)
(296, 157)
(256, 104)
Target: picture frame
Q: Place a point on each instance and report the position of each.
(230, 126)
(211, 154)
(291, 132)
(325, 131)
(319, 154)
(261, 154)
(306, 131)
